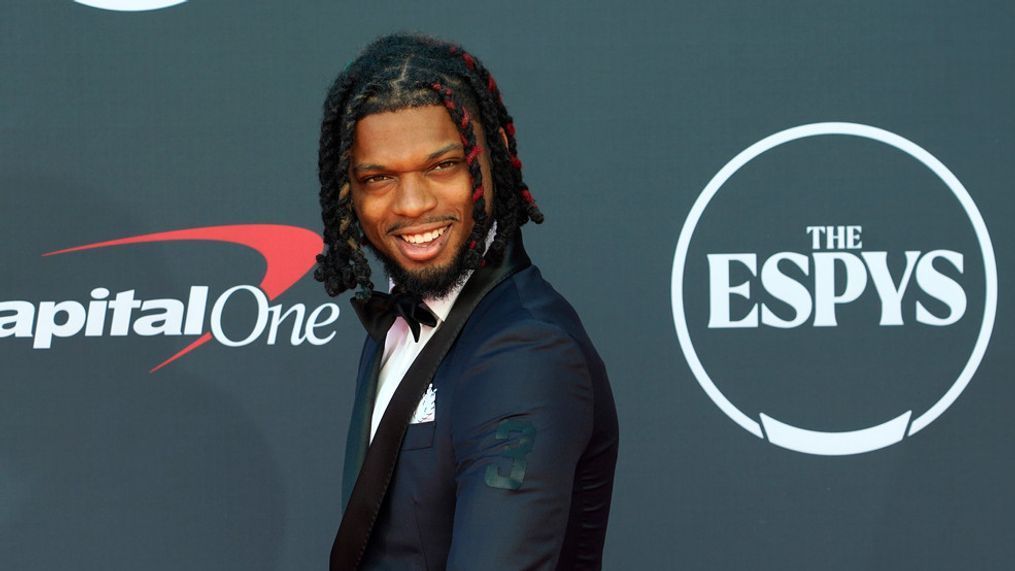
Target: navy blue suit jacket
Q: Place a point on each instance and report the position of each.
(516, 472)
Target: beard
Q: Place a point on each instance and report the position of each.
(430, 282)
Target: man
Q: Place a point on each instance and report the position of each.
(484, 433)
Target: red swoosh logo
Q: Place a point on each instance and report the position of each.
(288, 251)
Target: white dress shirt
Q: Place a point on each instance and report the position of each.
(400, 350)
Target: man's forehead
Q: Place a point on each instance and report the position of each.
(366, 165)
(409, 135)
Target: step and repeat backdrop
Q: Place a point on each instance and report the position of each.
(787, 227)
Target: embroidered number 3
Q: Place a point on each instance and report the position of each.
(517, 450)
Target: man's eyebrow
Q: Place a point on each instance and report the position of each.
(359, 167)
(444, 149)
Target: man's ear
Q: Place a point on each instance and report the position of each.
(503, 136)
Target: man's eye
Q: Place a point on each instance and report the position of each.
(373, 179)
(444, 165)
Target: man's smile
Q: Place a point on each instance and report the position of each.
(423, 237)
(421, 244)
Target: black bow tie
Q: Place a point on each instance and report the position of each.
(378, 313)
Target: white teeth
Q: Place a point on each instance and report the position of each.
(424, 237)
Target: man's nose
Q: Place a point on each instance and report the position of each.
(415, 197)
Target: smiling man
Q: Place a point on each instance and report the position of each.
(483, 432)
(419, 228)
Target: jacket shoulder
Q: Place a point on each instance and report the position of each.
(524, 301)
(526, 327)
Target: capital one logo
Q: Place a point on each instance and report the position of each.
(834, 288)
(130, 5)
(288, 253)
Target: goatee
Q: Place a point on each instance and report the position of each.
(430, 282)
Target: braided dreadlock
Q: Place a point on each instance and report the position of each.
(403, 71)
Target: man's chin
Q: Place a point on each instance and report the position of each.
(428, 282)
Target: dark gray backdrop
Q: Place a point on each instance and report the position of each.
(116, 124)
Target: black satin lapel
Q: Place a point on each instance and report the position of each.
(381, 457)
(358, 438)
(515, 258)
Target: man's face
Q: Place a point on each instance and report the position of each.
(412, 193)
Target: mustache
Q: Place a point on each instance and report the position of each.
(429, 220)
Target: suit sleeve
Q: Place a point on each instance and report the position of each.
(521, 418)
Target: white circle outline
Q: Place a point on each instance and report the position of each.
(130, 5)
(856, 130)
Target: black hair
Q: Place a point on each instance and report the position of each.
(402, 71)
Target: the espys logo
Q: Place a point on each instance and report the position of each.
(130, 5)
(288, 252)
(843, 276)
